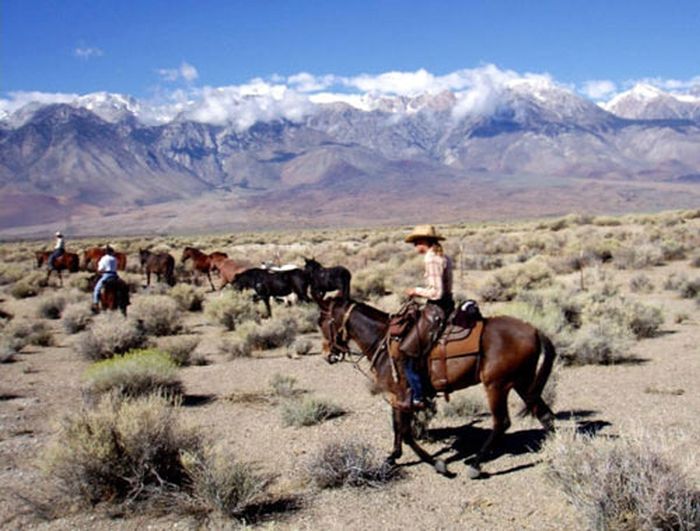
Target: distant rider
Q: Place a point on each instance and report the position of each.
(107, 267)
(438, 307)
(59, 248)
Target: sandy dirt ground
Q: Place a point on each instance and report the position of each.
(658, 392)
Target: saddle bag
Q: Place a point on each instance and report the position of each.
(403, 320)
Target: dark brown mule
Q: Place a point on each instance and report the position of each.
(67, 261)
(202, 262)
(92, 256)
(228, 269)
(510, 350)
(114, 294)
(162, 264)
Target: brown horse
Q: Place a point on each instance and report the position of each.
(158, 263)
(510, 350)
(68, 261)
(228, 269)
(92, 255)
(114, 294)
(202, 262)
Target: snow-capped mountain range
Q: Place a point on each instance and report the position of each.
(104, 149)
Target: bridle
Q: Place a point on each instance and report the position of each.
(337, 336)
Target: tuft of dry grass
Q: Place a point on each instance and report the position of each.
(349, 463)
(231, 309)
(76, 317)
(180, 348)
(309, 411)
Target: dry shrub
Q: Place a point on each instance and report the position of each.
(10, 273)
(271, 333)
(284, 386)
(180, 348)
(597, 343)
(370, 281)
(349, 463)
(627, 483)
(695, 261)
(506, 283)
(22, 332)
(136, 373)
(188, 298)
(121, 451)
(159, 315)
(24, 289)
(689, 289)
(300, 347)
(76, 317)
(481, 262)
(309, 411)
(222, 485)
(672, 250)
(638, 256)
(80, 281)
(304, 315)
(231, 309)
(51, 306)
(641, 283)
(236, 347)
(110, 334)
(638, 318)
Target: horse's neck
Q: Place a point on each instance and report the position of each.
(367, 332)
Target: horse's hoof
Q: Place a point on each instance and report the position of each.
(473, 472)
(440, 467)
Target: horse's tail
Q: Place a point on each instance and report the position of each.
(170, 272)
(74, 264)
(545, 369)
(124, 297)
(346, 285)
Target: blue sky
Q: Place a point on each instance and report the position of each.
(145, 47)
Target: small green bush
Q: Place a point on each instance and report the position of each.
(597, 343)
(159, 315)
(309, 411)
(136, 373)
(349, 463)
(370, 281)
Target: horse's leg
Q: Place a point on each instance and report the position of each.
(397, 452)
(405, 434)
(60, 278)
(210, 282)
(497, 396)
(538, 407)
(148, 277)
(266, 300)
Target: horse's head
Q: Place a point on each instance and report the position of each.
(243, 280)
(332, 320)
(187, 252)
(143, 255)
(310, 264)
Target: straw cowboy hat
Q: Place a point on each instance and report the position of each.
(424, 232)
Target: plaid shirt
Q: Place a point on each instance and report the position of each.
(438, 276)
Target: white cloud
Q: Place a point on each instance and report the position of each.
(87, 52)
(599, 89)
(185, 71)
(17, 100)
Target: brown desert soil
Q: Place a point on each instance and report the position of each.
(657, 391)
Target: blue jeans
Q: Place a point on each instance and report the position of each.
(414, 379)
(96, 292)
(53, 256)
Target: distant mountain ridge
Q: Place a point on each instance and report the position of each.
(106, 151)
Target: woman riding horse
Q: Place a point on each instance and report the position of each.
(439, 305)
(508, 359)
